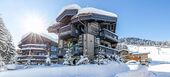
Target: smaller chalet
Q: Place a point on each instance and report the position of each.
(141, 57)
(36, 48)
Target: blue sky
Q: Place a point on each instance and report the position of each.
(148, 19)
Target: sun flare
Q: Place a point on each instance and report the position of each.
(33, 23)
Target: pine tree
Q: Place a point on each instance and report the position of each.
(68, 60)
(7, 49)
(48, 61)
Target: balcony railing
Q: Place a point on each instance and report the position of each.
(109, 35)
(66, 31)
(66, 13)
(33, 48)
(106, 50)
(31, 57)
(34, 45)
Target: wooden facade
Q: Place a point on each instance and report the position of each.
(87, 33)
(139, 57)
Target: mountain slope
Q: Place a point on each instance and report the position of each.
(144, 42)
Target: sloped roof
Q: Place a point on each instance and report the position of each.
(73, 13)
(69, 7)
(36, 38)
(54, 28)
(96, 11)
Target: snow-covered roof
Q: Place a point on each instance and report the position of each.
(72, 11)
(96, 11)
(54, 28)
(57, 24)
(41, 34)
(25, 35)
(70, 7)
(139, 52)
(48, 37)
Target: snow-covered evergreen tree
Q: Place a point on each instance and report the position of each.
(143, 42)
(68, 60)
(48, 61)
(2, 65)
(102, 58)
(83, 60)
(7, 50)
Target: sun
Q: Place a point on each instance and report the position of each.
(33, 23)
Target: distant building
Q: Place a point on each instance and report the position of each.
(35, 48)
(140, 57)
(153, 50)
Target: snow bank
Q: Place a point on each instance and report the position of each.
(160, 68)
(142, 72)
(11, 67)
(134, 67)
(96, 11)
(91, 70)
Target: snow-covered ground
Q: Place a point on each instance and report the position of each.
(156, 69)
(113, 69)
(160, 70)
(162, 59)
(160, 65)
(91, 70)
